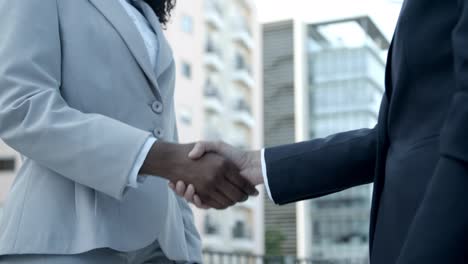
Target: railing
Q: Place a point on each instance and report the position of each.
(211, 47)
(212, 91)
(213, 257)
(242, 105)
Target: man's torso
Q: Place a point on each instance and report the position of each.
(419, 93)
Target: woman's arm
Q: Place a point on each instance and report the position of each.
(90, 149)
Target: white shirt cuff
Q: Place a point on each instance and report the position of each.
(134, 179)
(265, 175)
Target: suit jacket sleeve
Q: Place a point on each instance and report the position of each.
(90, 149)
(322, 166)
(439, 231)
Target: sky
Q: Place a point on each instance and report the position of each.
(383, 12)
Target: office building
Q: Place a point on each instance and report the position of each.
(216, 45)
(319, 79)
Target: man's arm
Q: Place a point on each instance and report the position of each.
(322, 166)
(299, 171)
(439, 231)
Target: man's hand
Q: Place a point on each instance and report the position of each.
(249, 164)
(216, 179)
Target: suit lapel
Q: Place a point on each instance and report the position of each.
(165, 58)
(117, 16)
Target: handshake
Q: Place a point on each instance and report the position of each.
(207, 174)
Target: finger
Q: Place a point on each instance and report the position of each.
(197, 151)
(189, 193)
(241, 183)
(172, 186)
(198, 202)
(212, 203)
(180, 188)
(203, 147)
(233, 192)
(222, 199)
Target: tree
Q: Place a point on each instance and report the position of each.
(274, 240)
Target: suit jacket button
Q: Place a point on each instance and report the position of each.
(158, 132)
(157, 107)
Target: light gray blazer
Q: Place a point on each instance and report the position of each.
(76, 96)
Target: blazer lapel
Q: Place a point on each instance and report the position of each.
(165, 57)
(117, 16)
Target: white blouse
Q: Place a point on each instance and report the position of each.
(144, 28)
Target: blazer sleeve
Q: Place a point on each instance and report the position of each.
(438, 233)
(322, 166)
(90, 149)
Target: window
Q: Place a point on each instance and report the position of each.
(187, 24)
(186, 116)
(239, 231)
(187, 70)
(211, 228)
(7, 165)
(240, 62)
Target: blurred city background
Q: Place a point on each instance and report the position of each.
(259, 73)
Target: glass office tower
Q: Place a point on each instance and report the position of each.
(346, 72)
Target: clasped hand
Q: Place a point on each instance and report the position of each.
(247, 166)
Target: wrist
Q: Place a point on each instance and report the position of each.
(164, 159)
(254, 165)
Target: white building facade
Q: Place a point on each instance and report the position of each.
(216, 44)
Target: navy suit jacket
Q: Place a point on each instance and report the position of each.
(416, 156)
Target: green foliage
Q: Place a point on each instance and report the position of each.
(274, 240)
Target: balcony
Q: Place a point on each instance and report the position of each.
(213, 62)
(248, 4)
(215, 257)
(214, 15)
(244, 77)
(243, 71)
(213, 99)
(243, 113)
(214, 242)
(243, 35)
(212, 134)
(213, 57)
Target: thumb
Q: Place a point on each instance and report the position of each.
(198, 151)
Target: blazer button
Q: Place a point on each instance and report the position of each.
(157, 107)
(158, 132)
